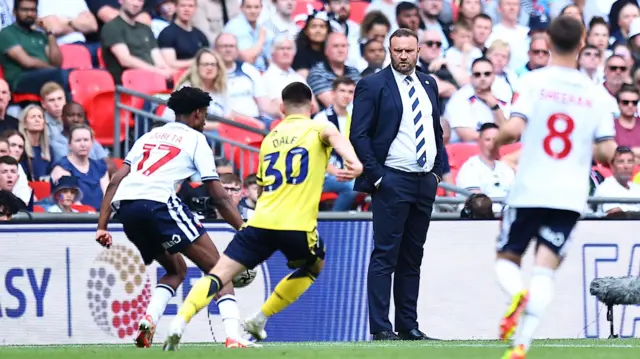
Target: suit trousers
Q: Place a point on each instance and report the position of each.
(401, 208)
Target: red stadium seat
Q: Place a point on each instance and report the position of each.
(41, 189)
(328, 196)
(244, 160)
(38, 209)
(21, 97)
(83, 208)
(100, 109)
(358, 10)
(101, 59)
(510, 148)
(75, 57)
(604, 171)
(459, 153)
(144, 81)
(84, 84)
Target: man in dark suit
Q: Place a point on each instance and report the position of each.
(396, 132)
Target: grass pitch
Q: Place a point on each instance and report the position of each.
(551, 349)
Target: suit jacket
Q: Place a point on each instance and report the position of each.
(377, 113)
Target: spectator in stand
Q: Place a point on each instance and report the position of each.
(538, 54)
(615, 75)
(8, 173)
(279, 23)
(620, 185)
(165, 13)
(589, 63)
(252, 39)
(15, 142)
(475, 104)
(624, 51)
(280, 73)
(210, 17)
(485, 173)
(430, 11)
(53, 100)
(387, 8)
(223, 166)
(7, 122)
(505, 81)
(408, 17)
(30, 57)
(129, 44)
(180, 41)
(598, 36)
(70, 20)
(250, 198)
(462, 53)
(628, 124)
(91, 174)
(343, 89)
(480, 31)
(322, 74)
(375, 26)
(509, 31)
(65, 194)
(310, 42)
(107, 10)
(245, 87)
(73, 115)
(573, 11)
(374, 55)
(431, 62)
(628, 12)
(37, 152)
(342, 11)
(468, 10)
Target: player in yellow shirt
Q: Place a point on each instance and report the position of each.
(293, 162)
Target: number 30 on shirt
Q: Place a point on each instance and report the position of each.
(561, 136)
(303, 168)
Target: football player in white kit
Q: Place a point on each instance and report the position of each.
(143, 195)
(560, 116)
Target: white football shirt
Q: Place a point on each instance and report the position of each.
(566, 114)
(163, 158)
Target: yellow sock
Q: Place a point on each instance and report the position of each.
(199, 296)
(288, 291)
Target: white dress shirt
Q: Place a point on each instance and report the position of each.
(610, 187)
(402, 153)
(277, 79)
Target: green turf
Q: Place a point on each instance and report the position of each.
(551, 349)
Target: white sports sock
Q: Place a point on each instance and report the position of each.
(230, 315)
(161, 296)
(509, 277)
(540, 295)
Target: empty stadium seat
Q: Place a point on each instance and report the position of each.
(75, 57)
(41, 189)
(147, 82)
(358, 10)
(459, 153)
(100, 109)
(38, 209)
(85, 83)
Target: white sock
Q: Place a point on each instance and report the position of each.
(161, 296)
(230, 315)
(540, 295)
(509, 276)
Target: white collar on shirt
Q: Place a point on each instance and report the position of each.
(401, 77)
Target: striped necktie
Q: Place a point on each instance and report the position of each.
(416, 113)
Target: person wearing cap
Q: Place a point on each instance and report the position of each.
(65, 193)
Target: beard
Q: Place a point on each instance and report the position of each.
(402, 67)
(26, 23)
(131, 14)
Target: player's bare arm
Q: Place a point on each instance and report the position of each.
(102, 236)
(510, 131)
(605, 150)
(331, 136)
(223, 203)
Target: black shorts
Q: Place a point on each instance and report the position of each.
(155, 226)
(252, 246)
(550, 227)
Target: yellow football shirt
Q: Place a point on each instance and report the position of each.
(293, 163)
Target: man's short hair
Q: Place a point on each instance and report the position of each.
(461, 25)
(342, 80)
(230, 178)
(405, 6)
(296, 94)
(628, 89)
(621, 150)
(487, 126)
(482, 16)
(481, 59)
(49, 88)
(8, 160)
(565, 33)
(404, 33)
(478, 206)
(250, 180)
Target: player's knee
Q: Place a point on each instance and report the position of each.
(510, 256)
(315, 268)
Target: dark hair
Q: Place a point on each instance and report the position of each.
(626, 88)
(8, 160)
(487, 126)
(404, 33)
(597, 20)
(4, 139)
(72, 103)
(16, 3)
(250, 180)
(296, 94)
(10, 204)
(405, 6)
(373, 18)
(482, 16)
(187, 100)
(613, 57)
(565, 34)
(222, 162)
(621, 150)
(75, 128)
(303, 41)
(481, 59)
(478, 206)
(342, 80)
(589, 47)
(230, 178)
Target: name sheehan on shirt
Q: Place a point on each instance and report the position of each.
(166, 136)
(565, 98)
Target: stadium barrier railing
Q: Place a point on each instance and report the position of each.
(60, 287)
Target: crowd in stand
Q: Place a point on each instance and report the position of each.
(244, 52)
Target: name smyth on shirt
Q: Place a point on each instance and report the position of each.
(166, 136)
(565, 98)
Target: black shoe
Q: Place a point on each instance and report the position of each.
(414, 334)
(385, 335)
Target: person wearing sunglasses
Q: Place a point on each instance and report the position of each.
(538, 54)
(628, 124)
(615, 75)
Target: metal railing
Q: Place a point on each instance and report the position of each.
(242, 155)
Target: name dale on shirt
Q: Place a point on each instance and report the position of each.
(284, 140)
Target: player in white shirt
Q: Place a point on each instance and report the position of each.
(143, 195)
(560, 115)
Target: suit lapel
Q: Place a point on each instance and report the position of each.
(393, 87)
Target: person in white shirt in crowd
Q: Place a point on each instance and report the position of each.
(70, 20)
(280, 73)
(538, 54)
(475, 104)
(253, 40)
(245, 87)
(279, 22)
(462, 53)
(620, 184)
(485, 173)
(589, 63)
(481, 28)
(12, 144)
(615, 75)
(509, 31)
(505, 81)
(351, 29)
(374, 26)
(430, 11)
(343, 89)
(165, 9)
